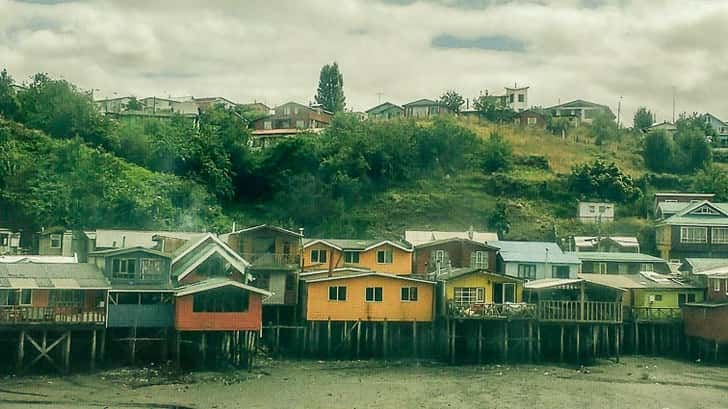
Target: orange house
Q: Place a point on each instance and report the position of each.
(383, 256)
(368, 297)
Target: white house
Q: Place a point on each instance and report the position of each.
(533, 260)
(595, 212)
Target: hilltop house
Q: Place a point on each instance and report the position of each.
(609, 244)
(698, 230)
(530, 118)
(708, 320)
(720, 127)
(382, 256)
(288, 120)
(668, 127)
(620, 263)
(417, 237)
(669, 203)
(595, 212)
(580, 111)
(386, 110)
(424, 109)
(9, 241)
(532, 260)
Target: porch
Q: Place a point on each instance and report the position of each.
(25, 315)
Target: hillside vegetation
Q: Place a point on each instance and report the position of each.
(63, 164)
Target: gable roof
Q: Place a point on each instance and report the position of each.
(699, 264)
(481, 244)
(592, 241)
(194, 253)
(112, 238)
(217, 282)
(383, 107)
(70, 276)
(616, 257)
(270, 227)
(417, 237)
(354, 244)
(371, 274)
(39, 259)
(533, 252)
(580, 103)
(686, 216)
(552, 283)
(671, 208)
(421, 103)
(463, 271)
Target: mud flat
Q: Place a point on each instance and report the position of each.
(635, 382)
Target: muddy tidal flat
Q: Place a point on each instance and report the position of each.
(635, 382)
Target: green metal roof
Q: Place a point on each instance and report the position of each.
(631, 281)
(705, 264)
(533, 252)
(617, 257)
(386, 106)
(684, 216)
(52, 276)
(422, 102)
(672, 207)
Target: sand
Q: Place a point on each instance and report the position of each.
(635, 382)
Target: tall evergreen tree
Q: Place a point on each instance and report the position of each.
(643, 118)
(330, 92)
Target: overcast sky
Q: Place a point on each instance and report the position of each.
(272, 51)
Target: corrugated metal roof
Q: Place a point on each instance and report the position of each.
(108, 238)
(591, 241)
(417, 237)
(459, 272)
(356, 244)
(372, 274)
(705, 264)
(684, 216)
(631, 281)
(670, 208)
(217, 282)
(617, 257)
(61, 276)
(550, 283)
(38, 259)
(534, 252)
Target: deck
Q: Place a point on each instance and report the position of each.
(580, 312)
(286, 261)
(652, 314)
(483, 311)
(27, 315)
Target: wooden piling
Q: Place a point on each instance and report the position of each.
(617, 341)
(538, 342)
(102, 347)
(203, 348)
(505, 341)
(636, 338)
(530, 341)
(561, 344)
(578, 350)
(414, 339)
(453, 327)
(480, 342)
(21, 352)
(385, 339)
(358, 338)
(93, 350)
(67, 354)
(654, 348)
(328, 339)
(595, 337)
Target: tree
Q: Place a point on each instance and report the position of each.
(693, 151)
(134, 105)
(643, 119)
(602, 180)
(493, 108)
(452, 100)
(497, 154)
(330, 91)
(604, 128)
(659, 151)
(712, 179)
(558, 125)
(499, 219)
(9, 105)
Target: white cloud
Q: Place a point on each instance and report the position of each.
(272, 50)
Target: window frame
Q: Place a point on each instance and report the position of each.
(684, 235)
(647, 268)
(724, 233)
(155, 277)
(338, 293)
(602, 266)
(716, 284)
(374, 291)
(468, 295)
(318, 253)
(385, 251)
(125, 274)
(557, 266)
(521, 272)
(408, 294)
(55, 237)
(483, 256)
(348, 259)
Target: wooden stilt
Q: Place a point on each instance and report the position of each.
(67, 354)
(617, 331)
(505, 341)
(358, 338)
(654, 345)
(375, 338)
(345, 338)
(595, 337)
(716, 351)
(607, 343)
(578, 349)
(480, 342)
(328, 339)
(21, 352)
(538, 342)
(164, 344)
(414, 339)
(561, 343)
(132, 345)
(636, 338)
(530, 341)
(178, 348)
(102, 347)
(385, 339)
(203, 348)
(367, 344)
(93, 350)
(453, 329)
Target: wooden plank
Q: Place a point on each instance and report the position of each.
(414, 338)
(21, 352)
(93, 351)
(561, 343)
(67, 354)
(385, 339)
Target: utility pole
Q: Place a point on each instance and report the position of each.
(379, 97)
(619, 112)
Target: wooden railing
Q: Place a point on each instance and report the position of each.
(492, 311)
(652, 314)
(50, 315)
(272, 259)
(574, 311)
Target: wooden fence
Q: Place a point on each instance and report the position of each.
(575, 311)
(46, 315)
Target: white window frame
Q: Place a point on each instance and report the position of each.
(723, 233)
(267, 124)
(716, 285)
(300, 124)
(385, 252)
(20, 296)
(317, 259)
(439, 256)
(338, 293)
(56, 237)
(521, 273)
(142, 268)
(647, 268)
(374, 294)
(125, 271)
(601, 268)
(468, 295)
(685, 233)
(481, 259)
(532, 120)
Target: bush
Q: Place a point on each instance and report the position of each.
(532, 161)
(497, 154)
(602, 180)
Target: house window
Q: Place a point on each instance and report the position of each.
(267, 125)
(221, 300)
(602, 209)
(469, 295)
(151, 269)
(511, 98)
(384, 256)
(318, 256)
(705, 210)
(56, 241)
(647, 267)
(716, 285)
(719, 235)
(337, 293)
(123, 268)
(602, 268)
(16, 297)
(527, 271)
(685, 298)
(509, 292)
(479, 259)
(560, 271)
(592, 209)
(521, 98)
(693, 235)
(658, 297)
(532, 120)
(299, 124)
(409, 294)
(66, 298)
(351, 257)
(286, 110)
(439, 256)
(373, 294)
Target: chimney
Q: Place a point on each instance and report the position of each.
(300, 231)
(470, 232)
(123, 241)
(233, 231)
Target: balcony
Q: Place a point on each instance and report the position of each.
(652, 314)
(288, 261)
(20, 315)
(492, 311)
(576, 311)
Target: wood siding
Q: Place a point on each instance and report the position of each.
(710, 323)
(670, 246)
(188, 320)
(481, 281)
(458, 252)
(355, 307)
(401, 260)
(720, 296)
